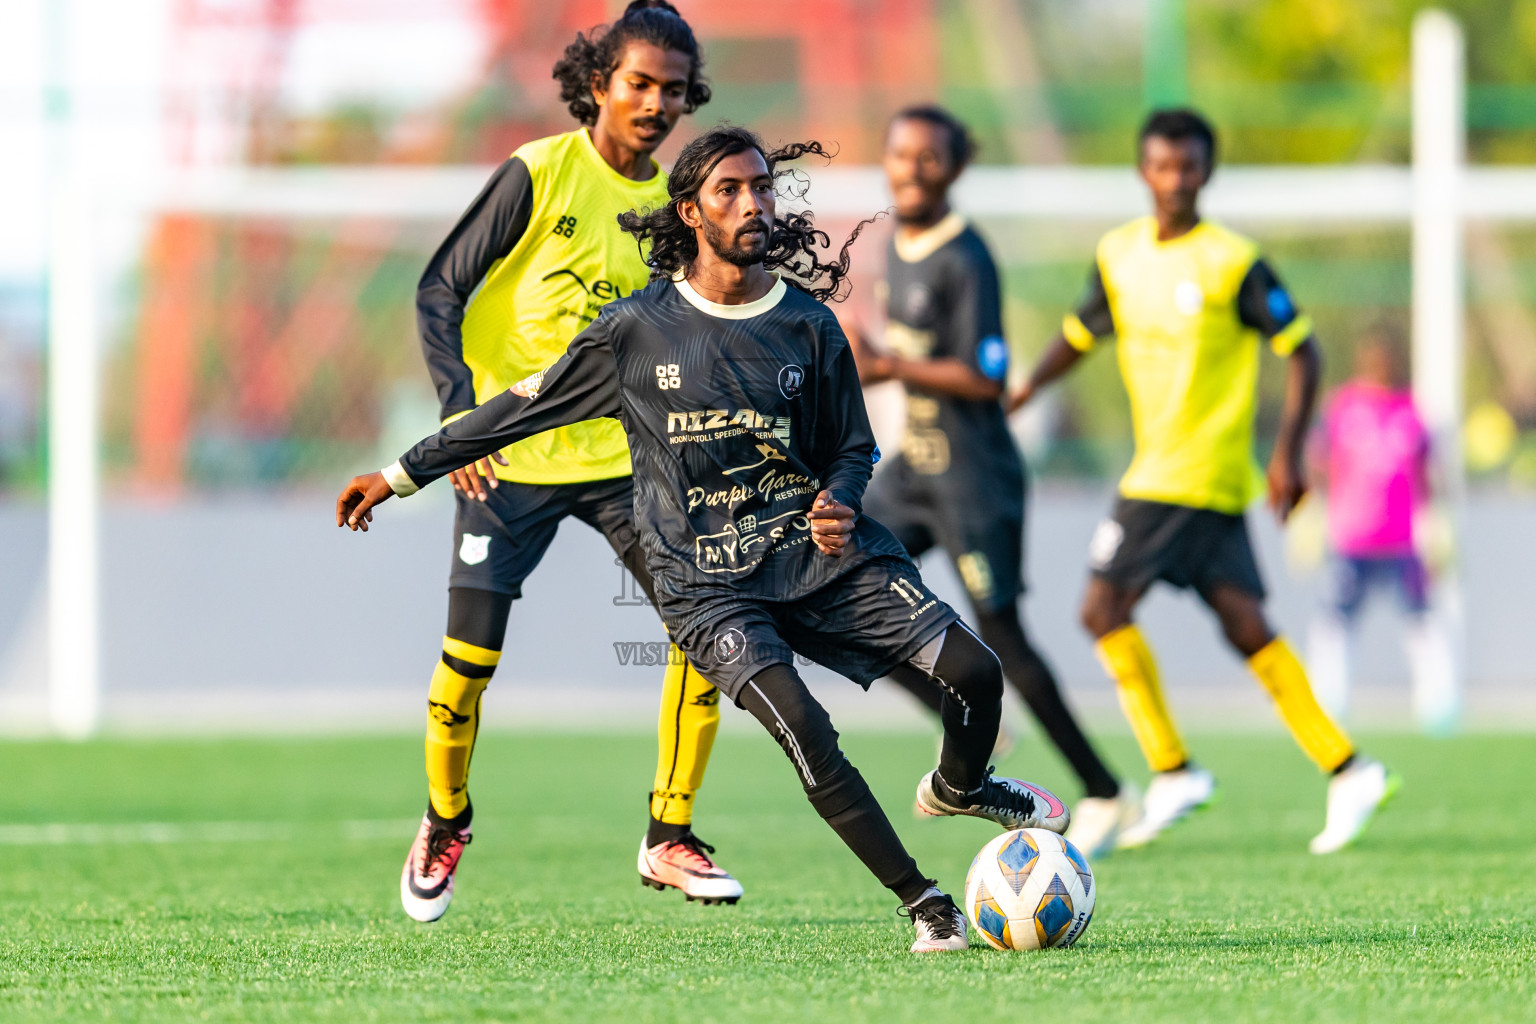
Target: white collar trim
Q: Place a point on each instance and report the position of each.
(919, 248)
(741, 311)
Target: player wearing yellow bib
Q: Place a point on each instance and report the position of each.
(542, 245)
(1187, 301)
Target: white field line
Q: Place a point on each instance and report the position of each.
(62, 834)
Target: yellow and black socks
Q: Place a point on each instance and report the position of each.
(686, 727)
(1129, 661)
(453, 719)
(1282, 674)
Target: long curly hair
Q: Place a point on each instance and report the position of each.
(795, 246)
(596, 53)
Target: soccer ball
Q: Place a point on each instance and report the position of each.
(1029, 889)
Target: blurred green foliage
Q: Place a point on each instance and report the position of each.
(1289, 81)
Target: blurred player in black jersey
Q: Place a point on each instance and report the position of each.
(959, 482)
(752, 450)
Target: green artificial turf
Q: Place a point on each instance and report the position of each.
(1430, 917)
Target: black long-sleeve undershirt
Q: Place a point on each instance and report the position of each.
(485, 233)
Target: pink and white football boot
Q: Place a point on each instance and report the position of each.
(426, 881)
(685, 864)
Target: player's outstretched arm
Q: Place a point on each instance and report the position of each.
(1080, 331)
(1286, 476)
(945, 376)
(1057, 361)
(581, 385)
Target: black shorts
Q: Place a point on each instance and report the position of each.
(863, 624)
(985, 543)
(499, 541)
(1146, 541)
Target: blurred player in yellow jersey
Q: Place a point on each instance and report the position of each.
(1188, 301)
(542, 245)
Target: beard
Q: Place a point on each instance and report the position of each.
(727, 248)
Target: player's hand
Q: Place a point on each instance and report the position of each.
(1434, 538)
(831, 524)
(1287, 484)
(874, 366)
(1017, 400)
(354, 508)
(472, 478)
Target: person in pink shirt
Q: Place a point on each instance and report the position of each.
(1371, 450)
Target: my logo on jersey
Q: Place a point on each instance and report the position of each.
(669, 376)
(740, 546)
(992, 357)
(1188, 298)
(730, 645)
(600, 289)
(474, 549)
(791, 380)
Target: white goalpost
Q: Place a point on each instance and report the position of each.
(1436, 196)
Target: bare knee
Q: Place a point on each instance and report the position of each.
(1242, 620)
(1106, 608)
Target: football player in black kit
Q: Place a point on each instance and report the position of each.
(752, 449)
(958, 482)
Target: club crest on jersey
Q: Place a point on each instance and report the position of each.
(529, 386)
(791, 380)
(1188, 298)
(919, 301)
(473, 549)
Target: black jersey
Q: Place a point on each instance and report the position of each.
(943, 301)
(737, 416)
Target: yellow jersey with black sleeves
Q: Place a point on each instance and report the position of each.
(1187, 315)
(542, 245)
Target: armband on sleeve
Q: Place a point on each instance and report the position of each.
(1077, 335)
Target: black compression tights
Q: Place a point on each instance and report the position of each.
(1032, 678)
(973, 685)
(478, 617)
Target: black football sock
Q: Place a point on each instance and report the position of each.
(777, 697)
(664, 832)
(1032, 678)
(972, 682)
(458, 821)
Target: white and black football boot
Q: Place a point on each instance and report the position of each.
(1012, 803)
(939, 923)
